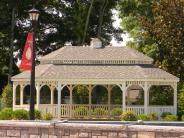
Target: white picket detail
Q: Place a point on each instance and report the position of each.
(160, 109)
(93, 110)
(49, 108)
(136, 109)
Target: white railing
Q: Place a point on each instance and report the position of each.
(160, 109)
(65, 110)
(17, 107)
(93, 110)
(49, 108)
(80, 111)
(99, 111)
(136, 109)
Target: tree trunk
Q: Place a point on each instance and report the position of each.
(11, 45)
(87, 21)
(104, 5)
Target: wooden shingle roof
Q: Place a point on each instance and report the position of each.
(50, 72)
(79, 53)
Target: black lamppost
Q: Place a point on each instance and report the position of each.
(33, 14)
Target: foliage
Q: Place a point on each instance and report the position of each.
(1, 106)
(6, 114)
(47, 116)
(99, 95)
(157, 30)
(164, 114)
(182, 118)
(116, 95)
(45, 95)
(128, 116)
(153, 116)
(161, 95)
(80, 111)
(181, 99)
(80, 95)
(116, 112)
(100, 112)
(20, 114)
(7, 96)
(143, 117)
(170, 118)
(180, 114)
(38, 114)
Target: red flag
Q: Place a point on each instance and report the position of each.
(26, 62)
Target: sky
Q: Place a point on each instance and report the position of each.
(116, 24)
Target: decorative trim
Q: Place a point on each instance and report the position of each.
(94, 62)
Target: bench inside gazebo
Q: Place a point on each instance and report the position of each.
(91, 82)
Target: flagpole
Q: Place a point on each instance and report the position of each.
(34, 14)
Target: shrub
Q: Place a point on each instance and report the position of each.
(153, 116)
(99, 112)
(20, 114)
(170, 118)
(6, 114)
(80, 111)
(38, 114)
(1, 105)
(164, 114)
(116, 112)
(7, 96)
(47, 116)
(143, 117)
(182, 118)
(128, 116)
(180, 114)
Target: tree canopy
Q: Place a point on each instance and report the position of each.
(157, 28)
(59, 22)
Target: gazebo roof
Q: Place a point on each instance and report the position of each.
(50, 72)
(112, 63)
(112, 55)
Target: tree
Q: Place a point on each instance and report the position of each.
(60, 21)
(87, 21)
(181, 99)
(7, 96)
(80, 95)
(157, 28)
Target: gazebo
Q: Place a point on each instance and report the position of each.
(61, 71)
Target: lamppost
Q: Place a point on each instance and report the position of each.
(33, 14)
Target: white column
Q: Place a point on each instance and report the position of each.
(37, 96)
(21, 95)
(146, 98)
(59, 88)
(175, 99)
(90, 91)
(14, 96)
(71, 100)
(109, 99)
(52, 96)
(123, 89)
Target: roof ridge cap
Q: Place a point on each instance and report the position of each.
(53, 53)
(143, 71)
(137, 51)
